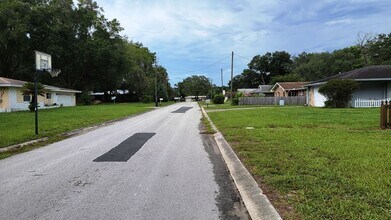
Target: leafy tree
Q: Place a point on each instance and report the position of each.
(380, 49)
(338, 92)
(313, 66)
(140, 75)
(86, 46)
(271, 64)
(14, 37)
(346, 59)
(194, 85)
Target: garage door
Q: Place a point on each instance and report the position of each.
(65, 100)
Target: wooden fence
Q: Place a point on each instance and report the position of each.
(292, 100)
(385, 115)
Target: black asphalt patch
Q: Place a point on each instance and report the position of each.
(125, 150)
(182, 110)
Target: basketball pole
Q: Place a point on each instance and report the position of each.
(36, 102)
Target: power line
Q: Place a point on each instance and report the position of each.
(204, 67)
(242, 57)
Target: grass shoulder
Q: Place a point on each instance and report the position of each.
(18, 127)
(324, 163)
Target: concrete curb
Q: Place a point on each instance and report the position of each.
(257, 204)
(21, 145)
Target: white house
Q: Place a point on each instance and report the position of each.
(13, 99)
(374, 86)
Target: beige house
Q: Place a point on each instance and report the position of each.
(286, 89)
(12, 98)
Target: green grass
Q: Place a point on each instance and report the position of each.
(18, 127)
(325, 163)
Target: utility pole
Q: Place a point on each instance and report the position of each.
(211, 89)
(232, 74)
(222, 88)
(156, 102)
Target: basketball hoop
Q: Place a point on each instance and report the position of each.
(43, 63)
(54, 72)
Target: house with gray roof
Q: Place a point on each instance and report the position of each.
(374, 86)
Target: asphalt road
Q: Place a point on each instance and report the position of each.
(152, 166)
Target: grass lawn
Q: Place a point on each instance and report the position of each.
(316, 163)
(18, 127)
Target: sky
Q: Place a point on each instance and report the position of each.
(196, 37)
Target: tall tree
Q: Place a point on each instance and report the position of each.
(194, 85)
(380, 49)
(271, 64)
(14, 37)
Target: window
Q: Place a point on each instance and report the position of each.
(48, 95)
(26, 98)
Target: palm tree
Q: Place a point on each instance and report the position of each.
(28, 89)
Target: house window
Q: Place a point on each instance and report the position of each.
(48, 95)
(26, 98)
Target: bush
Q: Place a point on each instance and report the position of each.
(218, 99)
(235, 100)
(338, 92)
(85, 98)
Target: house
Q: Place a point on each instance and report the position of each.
(246, 91)
(286, 89)
(12, 98)
(193, 98)
(374, 84)
(263, 90)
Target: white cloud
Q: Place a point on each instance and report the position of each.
(191, 34)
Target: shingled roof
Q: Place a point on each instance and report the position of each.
(6, 82)
(369, 73)
(11, 82)
(288, 86)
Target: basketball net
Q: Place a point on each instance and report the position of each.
(54, 72)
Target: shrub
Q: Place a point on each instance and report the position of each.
(218, 99)
(338, 92)
(85, 98)
(235, 100)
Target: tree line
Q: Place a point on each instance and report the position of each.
(86, 46)
(280, 66)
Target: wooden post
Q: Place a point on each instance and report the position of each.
(383, 115)
(388, 111)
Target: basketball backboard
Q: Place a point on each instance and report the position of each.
(43, 61)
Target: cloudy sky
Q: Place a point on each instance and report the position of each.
(194, 37)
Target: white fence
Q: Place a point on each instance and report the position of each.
(368, 103)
